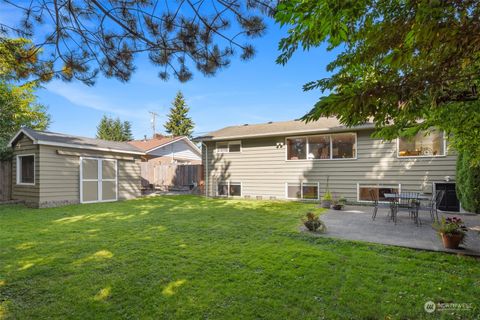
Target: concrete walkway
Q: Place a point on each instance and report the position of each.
(355, 223)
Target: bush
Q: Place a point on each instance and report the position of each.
(468, 183)
(313, 223)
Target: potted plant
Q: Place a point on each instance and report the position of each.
(313, 223)
(338, 204)
(453, 232)
(327, 199)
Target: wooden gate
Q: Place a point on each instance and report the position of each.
(5, 180)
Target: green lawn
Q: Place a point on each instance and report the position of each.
(193, 258)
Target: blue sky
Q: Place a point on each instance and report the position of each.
(255, 91)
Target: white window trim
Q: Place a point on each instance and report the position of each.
(378, 185)
(301, 184)
(228, 146)
(99, 180)
(331, 144)
(432, 156)
(228, 188)
(18, 173)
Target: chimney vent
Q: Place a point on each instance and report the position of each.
(145, 137)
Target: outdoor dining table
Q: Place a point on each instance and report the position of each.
(395, 197)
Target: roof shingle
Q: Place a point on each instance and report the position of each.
(79, 142)
(280, 128)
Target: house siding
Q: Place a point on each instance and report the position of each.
(28, 193)
(262, 168)
(180, 150)
(60, 175)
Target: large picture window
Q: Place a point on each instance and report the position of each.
(26, 169)
(305, 191)
(423, 144)
(229, 189)
(378, 191)
(322, 147)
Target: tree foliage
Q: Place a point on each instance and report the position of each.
(468, 183)
(82, 38)
(179, 123)
(114, 129)
(408, 65)
(19, 108)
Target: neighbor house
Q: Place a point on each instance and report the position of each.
(51, 169)
(294, 160)
(163, 151)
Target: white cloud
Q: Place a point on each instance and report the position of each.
(80, 96)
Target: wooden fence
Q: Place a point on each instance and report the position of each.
(171, 175)
(5, 180)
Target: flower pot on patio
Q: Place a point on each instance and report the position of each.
(337, 207)
(326, 204)
(452, 241)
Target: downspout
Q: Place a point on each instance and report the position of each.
(206, 169)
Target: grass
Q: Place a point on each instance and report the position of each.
(194, 258)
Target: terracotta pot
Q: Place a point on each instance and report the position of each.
(451, 241)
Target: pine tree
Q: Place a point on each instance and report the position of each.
(127, 131)
(179, 123)
(114, 130)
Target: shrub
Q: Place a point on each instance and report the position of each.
(313, 223)
(468, 183)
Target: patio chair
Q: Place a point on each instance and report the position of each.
(374, 199)
(434, 203)
(376, 205)
(407, 201)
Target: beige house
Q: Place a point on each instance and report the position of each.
(292, 160)
(52, 169)
(161, 151)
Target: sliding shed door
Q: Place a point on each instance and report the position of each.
(98, 180)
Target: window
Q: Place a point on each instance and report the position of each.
(321, 147)
(378, 190)
(343, 146)
(297, 148)
(26, 169)
(294, 191)
(229, 189)
(229, 147)
(431, 144)
(305, 191)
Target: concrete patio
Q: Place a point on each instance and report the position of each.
(355, 223)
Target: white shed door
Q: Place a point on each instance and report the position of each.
(98, 180)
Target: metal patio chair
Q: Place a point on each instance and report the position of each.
(434, 203)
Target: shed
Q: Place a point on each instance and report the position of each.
(52, 169)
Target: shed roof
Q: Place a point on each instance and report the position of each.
(65, 140)
(272, 129)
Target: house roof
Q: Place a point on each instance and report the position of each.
(272, 129)
(151, 144)
(65, 140)
(155, 143)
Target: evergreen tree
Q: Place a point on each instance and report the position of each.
(179, 123)
(114, 130)
(127, 131)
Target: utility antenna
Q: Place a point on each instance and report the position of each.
(153, 121)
